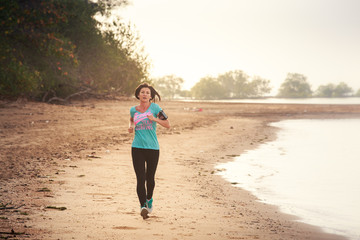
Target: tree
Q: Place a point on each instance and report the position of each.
(325, 90)
(331, 90)
(208, 88)
(227, 82)
(358, 93)
(258, 87)
(237, 85)
(342, 90)
(234, 83)
(168, 86)
(295, 86)
(32, 50)
(55, 48)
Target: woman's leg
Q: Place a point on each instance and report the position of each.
(152, 160)
(138, 157)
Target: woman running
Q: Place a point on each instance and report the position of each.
(145, 146)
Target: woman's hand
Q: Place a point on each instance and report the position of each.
(130, 129)
(131, 125)
(152, 118)
(164, 123)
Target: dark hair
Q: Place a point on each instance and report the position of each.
(154, 93)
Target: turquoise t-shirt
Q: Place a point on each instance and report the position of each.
(145, 130)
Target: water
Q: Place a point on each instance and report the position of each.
(311, 170)
(350, 100)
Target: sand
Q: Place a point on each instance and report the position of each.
(66, 172)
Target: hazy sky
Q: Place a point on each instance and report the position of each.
(268, 38)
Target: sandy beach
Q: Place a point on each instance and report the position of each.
(66, 172)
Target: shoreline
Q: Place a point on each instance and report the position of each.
(213, 208)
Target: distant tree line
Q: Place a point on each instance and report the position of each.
(55, 49)
(236, 85)
(230, 85)
(297, 86)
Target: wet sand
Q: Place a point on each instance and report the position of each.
(66, 172)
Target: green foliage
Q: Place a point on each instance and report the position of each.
(44, 57)
(16, 78)
(295, 86)
(55, 48)
(128, 62)
(232, 84)
(259, 87)
(342, 90)
(358, 93)
(168, 86)
(325, 90)
(237, 84)
(331, 90)
(208, 88)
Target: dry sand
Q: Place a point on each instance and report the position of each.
(78, 157)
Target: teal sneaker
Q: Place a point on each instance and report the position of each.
(144, 212)
(149, 204)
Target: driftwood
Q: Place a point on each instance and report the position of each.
(66, 100)
(114, 95)
(47, 93)
(12, 232)
(3, 207)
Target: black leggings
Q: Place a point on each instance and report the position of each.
(144, 173)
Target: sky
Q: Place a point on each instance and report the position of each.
(192, 39)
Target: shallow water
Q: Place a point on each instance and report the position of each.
(349, 100)
(311, 170)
